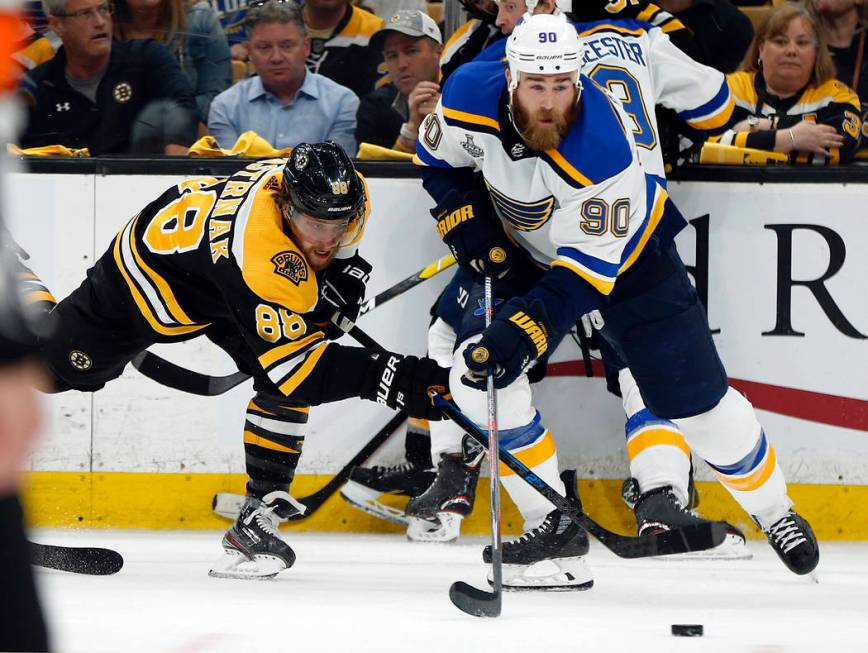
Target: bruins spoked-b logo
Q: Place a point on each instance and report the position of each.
(122, 92)
(80, 361)
(290, 265)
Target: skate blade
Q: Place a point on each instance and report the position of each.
(365, 499)
(447, 530)
(565, 575)
(732, 548)
(237, 566)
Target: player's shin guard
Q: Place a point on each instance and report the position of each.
(273, 437)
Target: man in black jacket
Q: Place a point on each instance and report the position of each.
(109, 97)
(390, 116)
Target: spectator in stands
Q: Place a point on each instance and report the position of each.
(472, 37)
(191, 33)
(286, 103)
(390, 116)
(339, 50)
(385, 9)
(787, 98)
(721, 32)
(109, 97)
(844, 24)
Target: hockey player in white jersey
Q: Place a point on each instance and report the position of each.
(538, 167)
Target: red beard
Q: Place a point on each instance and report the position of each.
(538, 136)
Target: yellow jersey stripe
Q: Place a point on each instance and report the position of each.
(656, 214)
(654, 437)
(270, 357)
(472, 118)
(601, 285)
(144, 308)
(161, 284)
(567, 167)
(259, 441)
(717, 120)
(40, 296)
(755, 479)
(536, 454)
(612, 28)
(289, 386)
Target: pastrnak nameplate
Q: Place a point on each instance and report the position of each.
(290, 265)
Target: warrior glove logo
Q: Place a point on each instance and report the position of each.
(534, 331)
(446, 222)
(290, 265)
(480, 355)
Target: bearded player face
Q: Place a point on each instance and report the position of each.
(544, 107)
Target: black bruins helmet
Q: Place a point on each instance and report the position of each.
(319, 179)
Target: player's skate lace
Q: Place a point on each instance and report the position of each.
(786, 534)
(400, 468)
(543, 529)
(265, 519)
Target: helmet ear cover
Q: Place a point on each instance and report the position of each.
(320, 180)
(545, 44)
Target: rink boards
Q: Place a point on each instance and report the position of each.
(781, 265)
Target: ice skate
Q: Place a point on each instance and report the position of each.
(368, 484)
(436, 514)
(550, 557)
(793, 540)
(253, 548)
(659, 510)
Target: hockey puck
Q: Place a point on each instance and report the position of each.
(687, 630)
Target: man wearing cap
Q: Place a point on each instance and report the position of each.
(390, 116)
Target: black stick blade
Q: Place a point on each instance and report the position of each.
(78, 560)
(473, 601)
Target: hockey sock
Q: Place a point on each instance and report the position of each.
(417, 443)
(656, 449)
(533, 445)
(273, 438)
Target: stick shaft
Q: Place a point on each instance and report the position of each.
(493, 462)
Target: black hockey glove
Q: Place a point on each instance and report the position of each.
(516, 337)
(467, 224)
(342, 289)
(402, 383)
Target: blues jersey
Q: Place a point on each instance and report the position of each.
(641, 67)
(586, 205)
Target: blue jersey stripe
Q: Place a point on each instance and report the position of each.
(717, 102)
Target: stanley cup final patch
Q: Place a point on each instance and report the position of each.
(290, 265)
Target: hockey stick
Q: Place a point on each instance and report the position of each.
(469, 599)
(77, 559)
(697, 537)
(180, 378)
(229, 505)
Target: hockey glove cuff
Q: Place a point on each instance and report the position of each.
(516, 337)
(467, 224)
(342, 289)
(402, 383)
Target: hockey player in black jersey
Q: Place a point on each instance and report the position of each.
(262, 263)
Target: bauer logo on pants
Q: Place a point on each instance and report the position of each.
(80, 361)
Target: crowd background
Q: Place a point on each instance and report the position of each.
(180, 77)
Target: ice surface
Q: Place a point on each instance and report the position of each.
(381, 593)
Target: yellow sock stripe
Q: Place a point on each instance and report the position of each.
(536, 454)
(40, 296)
(655, 437)
(259, 441)
(252, 405)
(289, 386)
(285, 351)
(144, 308)
(753, 480)
(417, 424)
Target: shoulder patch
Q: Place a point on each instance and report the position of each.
(271, 184)
(291, 265)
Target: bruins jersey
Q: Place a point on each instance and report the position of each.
(214, 251)
(831, 103)
(587, 206)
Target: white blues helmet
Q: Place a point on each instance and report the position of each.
(545, 44)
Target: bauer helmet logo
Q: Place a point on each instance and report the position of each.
(480, 355)
(290, 265)
(80, 361)
(497, 255)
